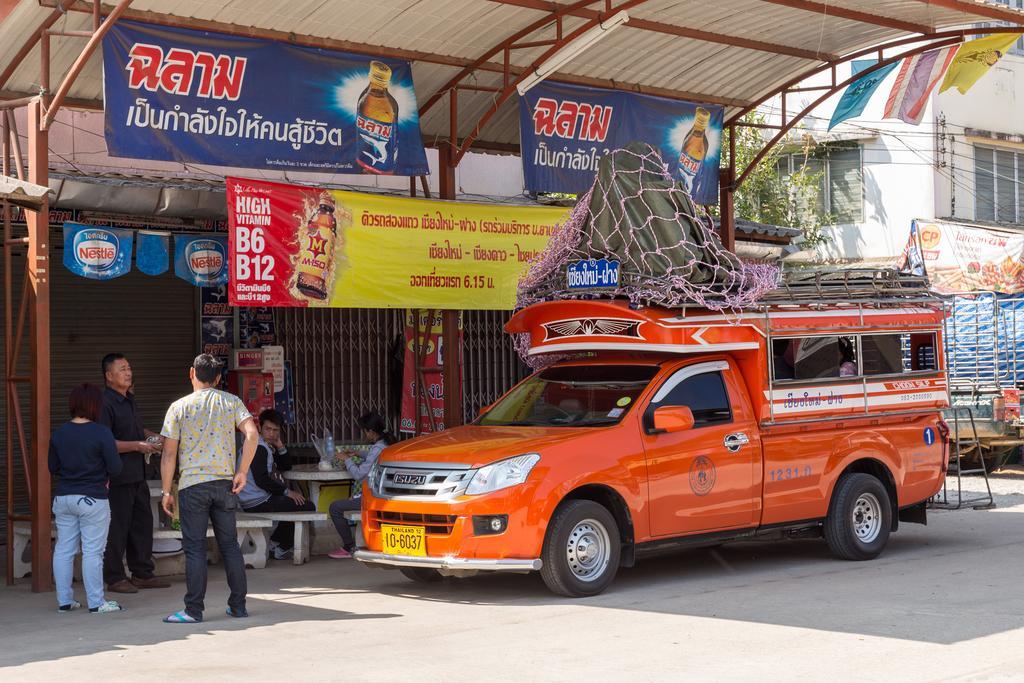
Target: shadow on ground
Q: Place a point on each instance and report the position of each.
(934, 584)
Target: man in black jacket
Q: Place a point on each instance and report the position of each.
(265, 490)
(131, 517)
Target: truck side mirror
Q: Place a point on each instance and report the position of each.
(671, 419)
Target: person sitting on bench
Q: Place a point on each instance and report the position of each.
(375, 432)
(266, 491)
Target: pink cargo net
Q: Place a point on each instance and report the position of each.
(668, 251)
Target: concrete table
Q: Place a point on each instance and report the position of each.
(326, 537)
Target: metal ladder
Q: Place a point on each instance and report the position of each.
(963, 447)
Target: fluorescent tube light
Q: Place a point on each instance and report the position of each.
(575, 47)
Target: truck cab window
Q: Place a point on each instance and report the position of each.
(704, 394)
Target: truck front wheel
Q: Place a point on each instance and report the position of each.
(581, 549)
(859, 518)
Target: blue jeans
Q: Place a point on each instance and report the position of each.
(210, 502)
(86, 520)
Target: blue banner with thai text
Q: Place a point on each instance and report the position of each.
(97, 253)
(565, 129)
(194, 96)
(203, 261)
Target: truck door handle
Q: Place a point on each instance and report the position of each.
(733, 442)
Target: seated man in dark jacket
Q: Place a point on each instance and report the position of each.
(266, 491)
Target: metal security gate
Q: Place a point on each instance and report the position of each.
(347, 362)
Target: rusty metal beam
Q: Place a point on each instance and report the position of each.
(280, 36)
(20, 99)
(554, 15)
(38, 269)
(59, 9)
(680, 31)
(15, 141)
(832, 10)
(937, 38)
(5, 167)
(788, 124)
(511, 86)
(80, 62)
(977, 8)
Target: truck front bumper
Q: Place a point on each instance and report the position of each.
(449, 563)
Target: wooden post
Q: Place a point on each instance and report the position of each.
(452, 351)
(726, 201)
(38, 268)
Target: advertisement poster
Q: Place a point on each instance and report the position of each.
(565, 129)
(302, 246)
(182, 95)
(961, 258)
(97, 253)
(431, 416)
(256, 327)
(201, 260)
(216, 322)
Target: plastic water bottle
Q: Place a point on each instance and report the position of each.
(327, 457)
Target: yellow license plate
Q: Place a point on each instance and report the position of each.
(404, 540)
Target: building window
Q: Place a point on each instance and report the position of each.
(998, 185)
(841, 193)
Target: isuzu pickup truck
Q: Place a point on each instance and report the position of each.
(655, 430)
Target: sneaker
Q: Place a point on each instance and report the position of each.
(339, 554)
(236, 613)
(282, 554)
(107, 606)
(71, 606)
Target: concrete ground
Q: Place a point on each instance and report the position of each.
(943, 603)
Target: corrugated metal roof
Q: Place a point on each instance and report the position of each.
(443, 35)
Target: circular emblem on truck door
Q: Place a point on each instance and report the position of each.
(702, 475)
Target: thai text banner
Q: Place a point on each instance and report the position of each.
(565, 129)
(303, 246)
(964, 258)
(193, 96)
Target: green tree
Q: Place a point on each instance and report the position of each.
(766, 196)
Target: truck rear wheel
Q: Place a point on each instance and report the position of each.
(581, 549)
(421, 574)
(859, 518)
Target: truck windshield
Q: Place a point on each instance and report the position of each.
(572, 396)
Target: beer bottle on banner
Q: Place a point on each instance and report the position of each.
(316, 249)
(377, 121)
(695, 148)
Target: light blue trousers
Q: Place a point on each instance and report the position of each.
(84, 521)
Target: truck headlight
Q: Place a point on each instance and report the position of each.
(373, 477)
(502, 474)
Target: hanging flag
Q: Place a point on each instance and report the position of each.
(201, 260)
(975, 58)
(915, 81)
(97, 253)
(152, 255)
(858, 93)
(858, 65)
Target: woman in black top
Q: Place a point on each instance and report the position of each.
(83, 457)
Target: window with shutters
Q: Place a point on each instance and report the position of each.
(998, 185)
(841, 186)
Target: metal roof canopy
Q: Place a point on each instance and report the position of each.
(737, 53)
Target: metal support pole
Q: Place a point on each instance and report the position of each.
(38, 268)
(8, 283)
(451, 354)
(726, 201)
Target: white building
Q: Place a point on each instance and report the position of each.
(964, 161)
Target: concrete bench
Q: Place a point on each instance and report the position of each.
(301, 520)
(251, 539)
(22, 550)
(357, 516)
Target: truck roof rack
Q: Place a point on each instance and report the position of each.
(841, 285)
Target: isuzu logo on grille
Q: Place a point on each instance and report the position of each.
(410, 479)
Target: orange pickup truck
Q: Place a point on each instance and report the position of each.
(660, 430)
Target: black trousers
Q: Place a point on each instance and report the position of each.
(338, 509)
(210, 502)
(131, 533)
(284, 534)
